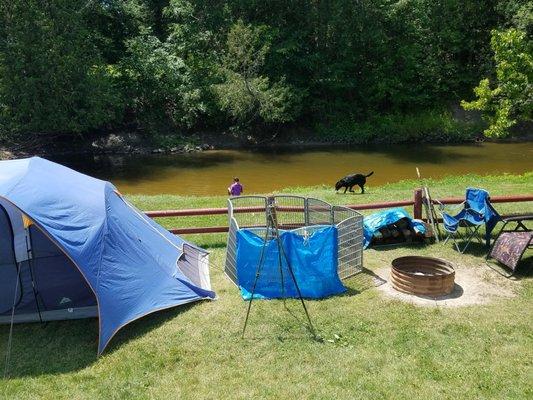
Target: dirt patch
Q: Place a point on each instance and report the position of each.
(478, 285)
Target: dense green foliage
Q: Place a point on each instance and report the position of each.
(428, 126)
(512, 98)
(52, 76)
(181, 66)
(246, 95)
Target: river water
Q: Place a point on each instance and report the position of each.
(210, 172)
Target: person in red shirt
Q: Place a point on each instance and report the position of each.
(236, 188)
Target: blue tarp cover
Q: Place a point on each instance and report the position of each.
(313, 260)
(129, 261)
(373, 222)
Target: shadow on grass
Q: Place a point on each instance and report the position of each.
(297, 329)
(144, 325)
(362, 281)
(298, 334)
(50, 348)
(396, 246)
(523, 269)
(212, 245)
(475, 249)
(59, 347)
(351, 193)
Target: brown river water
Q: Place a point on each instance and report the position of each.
(210, 172)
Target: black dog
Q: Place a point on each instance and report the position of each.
(349, 181)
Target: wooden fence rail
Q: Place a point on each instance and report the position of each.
(415, 202)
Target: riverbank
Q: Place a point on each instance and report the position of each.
(449, 126)
(372, 345)
(453, 126)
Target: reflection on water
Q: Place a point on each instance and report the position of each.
(210, 172)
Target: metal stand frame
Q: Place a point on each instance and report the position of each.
(471, 233)
(272, 231)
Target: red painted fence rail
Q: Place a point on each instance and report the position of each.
(416, 202)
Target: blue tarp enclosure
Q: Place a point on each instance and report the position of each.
(313, 260)
(374, 222)
(72, 247)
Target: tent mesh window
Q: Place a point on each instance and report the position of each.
(36, 276)
(301, 214)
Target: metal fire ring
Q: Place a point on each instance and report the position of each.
(425, 276)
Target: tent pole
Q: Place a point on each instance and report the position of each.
(29, 250)
(10, 336)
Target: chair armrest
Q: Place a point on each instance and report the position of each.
(449, 208)
(435, 201)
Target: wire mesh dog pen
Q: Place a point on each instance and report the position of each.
(301, 215)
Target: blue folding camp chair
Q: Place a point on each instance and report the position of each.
(475, 211)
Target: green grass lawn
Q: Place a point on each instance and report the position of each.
(374, 347)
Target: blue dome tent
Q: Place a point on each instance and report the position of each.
(72, 247)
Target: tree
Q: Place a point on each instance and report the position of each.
(246, 94)
(509, 97)
(52, 78)
(158, 84)
(182, 65)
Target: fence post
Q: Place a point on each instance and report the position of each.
(417, 204)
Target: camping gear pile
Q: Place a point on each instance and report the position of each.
(461, 225)
(392, 226)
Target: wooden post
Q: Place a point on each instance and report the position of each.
(417, 204)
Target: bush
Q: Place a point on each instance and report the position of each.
(426, 126)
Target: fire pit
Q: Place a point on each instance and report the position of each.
(426, 276)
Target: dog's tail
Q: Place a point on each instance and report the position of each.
(369, 174)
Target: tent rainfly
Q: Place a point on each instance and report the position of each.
(72, 247)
